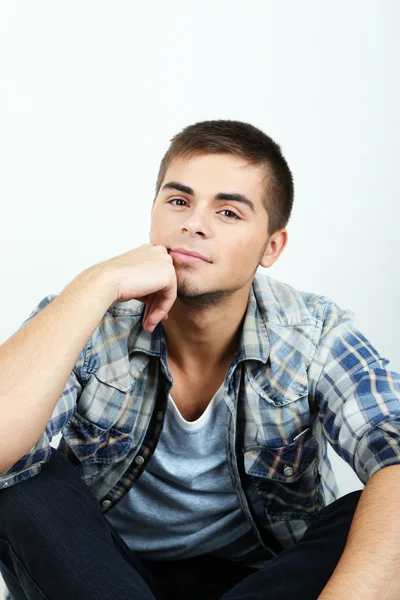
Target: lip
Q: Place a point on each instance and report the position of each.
(184, 254)
(187, 258)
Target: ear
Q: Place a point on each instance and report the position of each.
(276, 245)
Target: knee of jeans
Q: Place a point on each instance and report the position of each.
(30, 496)
(19, 501)
(347, 502)
(341, 510)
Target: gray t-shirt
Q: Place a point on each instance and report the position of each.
(184, 504)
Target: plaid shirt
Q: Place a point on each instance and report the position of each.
(302, 376)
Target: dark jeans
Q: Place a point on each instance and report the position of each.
(56, 544)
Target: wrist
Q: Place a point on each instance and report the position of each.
(101, 281)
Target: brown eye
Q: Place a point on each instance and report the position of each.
(232, 213)
(225, 209)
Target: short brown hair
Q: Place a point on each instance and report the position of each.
(247, 141)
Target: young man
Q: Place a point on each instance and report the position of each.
(196, 399)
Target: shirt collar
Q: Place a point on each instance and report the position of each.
(272, 307)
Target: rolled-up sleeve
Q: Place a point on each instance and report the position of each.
(357, 397)
(30, 464)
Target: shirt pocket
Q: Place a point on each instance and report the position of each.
(91, 443)
(286, 478)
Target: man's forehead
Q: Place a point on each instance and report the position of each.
(232, 161)
(218, 170)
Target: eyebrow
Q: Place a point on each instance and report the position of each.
(174, 185)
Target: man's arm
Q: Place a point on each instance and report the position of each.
(355, 395)
(358, 401)
(37, 360)
(369, 568)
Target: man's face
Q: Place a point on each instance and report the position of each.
(227, 231)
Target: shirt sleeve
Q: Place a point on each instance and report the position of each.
(356, 395)
(30, 464)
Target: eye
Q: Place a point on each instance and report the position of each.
(225, 209)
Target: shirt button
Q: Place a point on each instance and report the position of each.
(106, 503)
(288, 470)
(159, 415)
(139, 460)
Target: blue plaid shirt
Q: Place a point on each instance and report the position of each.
(303, 376)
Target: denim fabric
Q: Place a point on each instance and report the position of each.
(55, 544)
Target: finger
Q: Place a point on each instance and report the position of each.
(149, 301)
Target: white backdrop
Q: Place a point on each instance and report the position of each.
(91, 93)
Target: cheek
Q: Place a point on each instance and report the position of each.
(245, 258)
(236, 258)
(243, 250)
(158, 225)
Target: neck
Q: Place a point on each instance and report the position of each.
(205, 340)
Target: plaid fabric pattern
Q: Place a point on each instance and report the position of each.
(303, 377)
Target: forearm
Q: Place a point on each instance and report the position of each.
(369, 568)
(36, 361)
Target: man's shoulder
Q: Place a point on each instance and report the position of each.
(285, 304)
